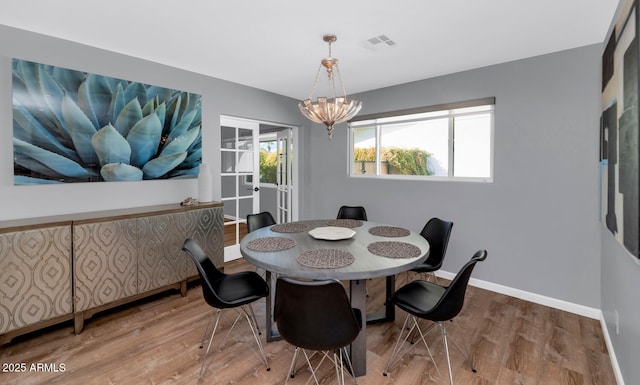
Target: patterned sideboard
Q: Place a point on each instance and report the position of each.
(70, 267)
(35, 276)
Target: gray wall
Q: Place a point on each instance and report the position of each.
(539, 218)
(620, 290)
(218, 97)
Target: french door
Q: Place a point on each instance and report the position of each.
(284, 185)
(239, 178)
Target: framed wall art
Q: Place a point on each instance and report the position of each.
(619, 150)
(72, 126)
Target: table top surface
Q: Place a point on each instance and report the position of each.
(365, 263)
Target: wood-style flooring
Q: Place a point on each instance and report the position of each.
(156, 342)
(230, 233)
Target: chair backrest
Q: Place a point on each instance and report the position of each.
(352, 212)
(437, 233)
(208, 272)
(257, 221)
(315, 315)
(452, 300)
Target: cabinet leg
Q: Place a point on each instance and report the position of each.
(183, 288)
(78, 323)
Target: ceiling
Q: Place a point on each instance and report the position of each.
(276, 45)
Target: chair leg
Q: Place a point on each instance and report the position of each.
(435, 277)
(350, 367)
(231, 328)
(292, 367)
(424, 340)
(464, 353)
(426, 278)
(426, 333)
(296, 356)
(443, 330)
(255, 320)
(398, 346)
(250, 321)
(206, 330)
(338, 367)
(395, 354)
(255, 333)
(206, 353)
(338, 363)
(313, 371)
(408, 277)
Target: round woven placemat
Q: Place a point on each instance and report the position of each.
(292, 227)
(326, 258)
(271, 244)
(392, 249)
(350, 223)
(389, 231)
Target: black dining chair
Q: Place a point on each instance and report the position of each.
(352, 212)
(430, 301)
(437, 233)
(227, 291)
(316, 315)
(257, 221)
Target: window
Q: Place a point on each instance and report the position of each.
(268, 161)
(446, 142)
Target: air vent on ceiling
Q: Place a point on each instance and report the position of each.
(379, 41)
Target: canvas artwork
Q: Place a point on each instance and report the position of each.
(72, 126)
(619, 151)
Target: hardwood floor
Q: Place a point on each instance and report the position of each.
(156, 342)
(230, 233)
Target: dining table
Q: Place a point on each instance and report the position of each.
(343, 249)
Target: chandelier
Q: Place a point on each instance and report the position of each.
(329, 111)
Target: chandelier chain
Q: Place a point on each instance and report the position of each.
(315, 83)
(344, 91)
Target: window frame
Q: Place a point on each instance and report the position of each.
(380, 119)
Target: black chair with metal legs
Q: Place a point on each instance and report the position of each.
(430, 301)
(316, 315)
(352, 212)
(227, 291)
(257, 221)
(437, 233)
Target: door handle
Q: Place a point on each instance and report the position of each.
(255, 189)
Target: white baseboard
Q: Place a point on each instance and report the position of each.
(555, 303)
(612, 354)
(570, 307)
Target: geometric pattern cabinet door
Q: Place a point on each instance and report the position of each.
(206, 227)
(54, 269)
(105, 262)
(161, 260)
(35, 276)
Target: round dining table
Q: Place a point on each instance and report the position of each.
(342, 249)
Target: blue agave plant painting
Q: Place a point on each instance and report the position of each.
(72, 126)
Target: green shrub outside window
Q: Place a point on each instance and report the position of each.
(398, 161)
(267, 167)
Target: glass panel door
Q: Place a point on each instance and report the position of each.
(283, 173)
(239, 178)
